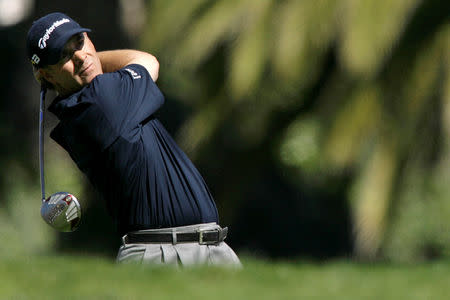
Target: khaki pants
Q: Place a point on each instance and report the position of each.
(181, 254)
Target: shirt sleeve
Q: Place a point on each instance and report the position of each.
(127, 97)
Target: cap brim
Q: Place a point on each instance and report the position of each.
(62, 40)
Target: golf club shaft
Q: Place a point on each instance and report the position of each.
(41, 139)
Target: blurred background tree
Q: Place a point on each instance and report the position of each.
(329, 107)
(320, 126)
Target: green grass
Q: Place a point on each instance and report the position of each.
(76, 277)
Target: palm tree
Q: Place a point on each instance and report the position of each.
(330, 89)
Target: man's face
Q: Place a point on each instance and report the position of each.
(78, 66)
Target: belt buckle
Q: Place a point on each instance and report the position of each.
(200, 236)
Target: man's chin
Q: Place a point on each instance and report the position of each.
(80, 84)
(89, 79)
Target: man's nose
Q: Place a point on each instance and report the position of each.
(78, 57)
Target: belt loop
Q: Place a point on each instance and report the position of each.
(174, 237)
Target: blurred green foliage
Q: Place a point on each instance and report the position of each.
(21, 226)
(330, 88)
(299, 113)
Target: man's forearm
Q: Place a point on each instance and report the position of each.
(113, 60)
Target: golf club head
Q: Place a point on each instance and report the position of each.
(62, 211)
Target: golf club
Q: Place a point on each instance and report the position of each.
(61, 210)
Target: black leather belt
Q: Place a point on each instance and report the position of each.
(201, 236)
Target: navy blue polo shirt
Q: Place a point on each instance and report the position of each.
(109, 130)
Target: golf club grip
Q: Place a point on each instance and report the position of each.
(41, 139)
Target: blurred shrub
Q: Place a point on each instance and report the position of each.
(21, 226)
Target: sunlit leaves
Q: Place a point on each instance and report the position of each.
(446, 82)
(303, 32)
(301, 145)
(357, 122)
(371, 28)
(201, 125)
(208, 30)
(250, 51)
(168, 20)
(330, 85)
(371, 196)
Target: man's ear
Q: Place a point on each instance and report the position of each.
(44, 74)
(43, 77)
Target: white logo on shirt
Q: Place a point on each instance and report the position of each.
(133, 73)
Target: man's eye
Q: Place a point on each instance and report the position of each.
(79, 43)
(73, 46)
(67, 54)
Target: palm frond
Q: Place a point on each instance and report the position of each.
(370, 29)
(304, 30)
(217, 24)
(249, 53)
(167, 21)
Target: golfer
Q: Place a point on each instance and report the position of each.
(105, 104)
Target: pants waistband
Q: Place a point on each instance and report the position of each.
(204, 234)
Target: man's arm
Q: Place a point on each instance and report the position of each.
(113, 60)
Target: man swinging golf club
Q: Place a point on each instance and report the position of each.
(106, 102)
